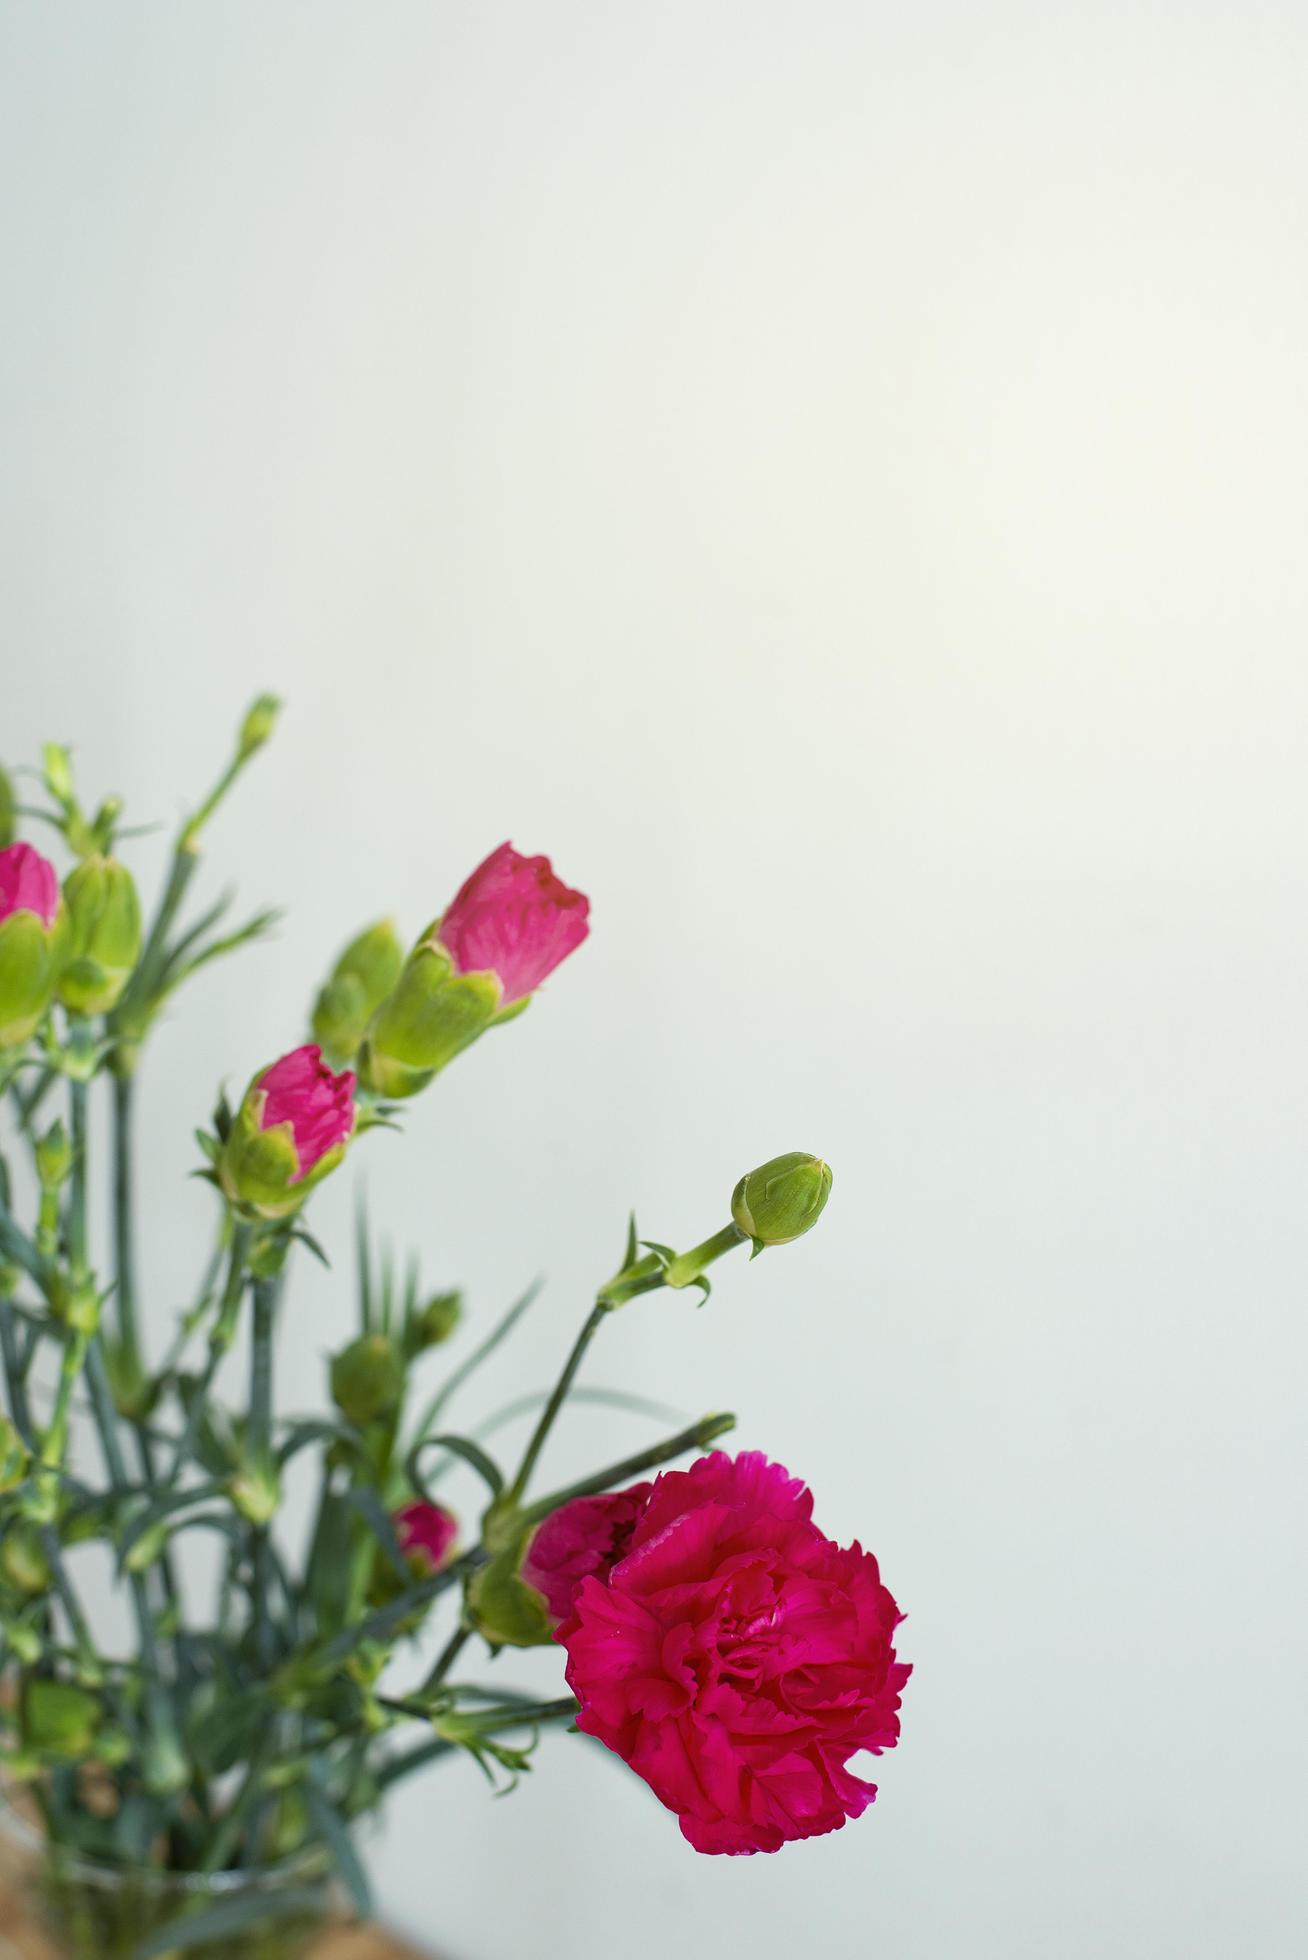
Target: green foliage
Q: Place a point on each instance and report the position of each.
(266, 1726)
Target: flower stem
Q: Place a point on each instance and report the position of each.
(261, 1366)
(556, 1401)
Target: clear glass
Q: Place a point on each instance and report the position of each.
(63, 1907)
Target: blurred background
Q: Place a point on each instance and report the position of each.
(835, 479)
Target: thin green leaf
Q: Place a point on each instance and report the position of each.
(333, 1831)
(378, 1520)
(461, 1446)
(498, 1333)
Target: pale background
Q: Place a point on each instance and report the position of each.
(833, 476)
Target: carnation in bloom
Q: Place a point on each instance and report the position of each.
(583, 1539)
(301, 1090)
(426, 1532)
(515, 919)
(28, 884)
(737, 1659)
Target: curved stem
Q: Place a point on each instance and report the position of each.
(556, 1401)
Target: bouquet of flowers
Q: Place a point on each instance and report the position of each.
(710, 1634)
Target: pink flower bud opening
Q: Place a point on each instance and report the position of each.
(515, 919)
(426, 1531)
(582, 1540)
(301, 1090)
(28, 884)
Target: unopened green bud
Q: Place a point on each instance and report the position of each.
(361, 979)
(367, 1379)
(23, 1642)
(105, 935)
(436, 1321)
(22, 1561)
(58, 1719)
(54, 1156)
(432, 1015)
(259, 723)
(14, 1459)
(256, 1492)
(782, 1199)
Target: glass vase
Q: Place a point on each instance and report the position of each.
(57, 1905)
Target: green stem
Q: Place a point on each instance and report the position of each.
(220, 1340)
(688, 1267)
(700, 1435)
(77, 1099)
(261, 1364)
(556, 1401)
(382, 1622)
(453, 1647)
(124, 1237)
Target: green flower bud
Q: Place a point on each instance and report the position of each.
(360, 980)
(256, 1492)
(7, 811)
(782, 1199)
(23, 1642)
(105, 928)
(14, 1459)
(22, 1561)
(432, 1015)
(367, 1379)
(435, 1322)
(258, 726)
(54, 1156)
(58, 1719)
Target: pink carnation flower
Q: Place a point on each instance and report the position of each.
(515, 919)
(583, 1539)
(301, 1090)
(28, 884)
(426, 1532)
(737, 1659)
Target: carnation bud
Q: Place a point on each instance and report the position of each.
(58, 1719)
(360, 980)
(367, 1379)
(427, 1535)
(436, 1321)
(291, 1130)
(432, 1015)
(256, 1492)
(7, 814)
(14, 1459)
(105, 935)
(33, 941)
(54, 1156)
(22, 1560)
(510, 924)
(258, 726)
(23, 1642)
(782, 1199)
